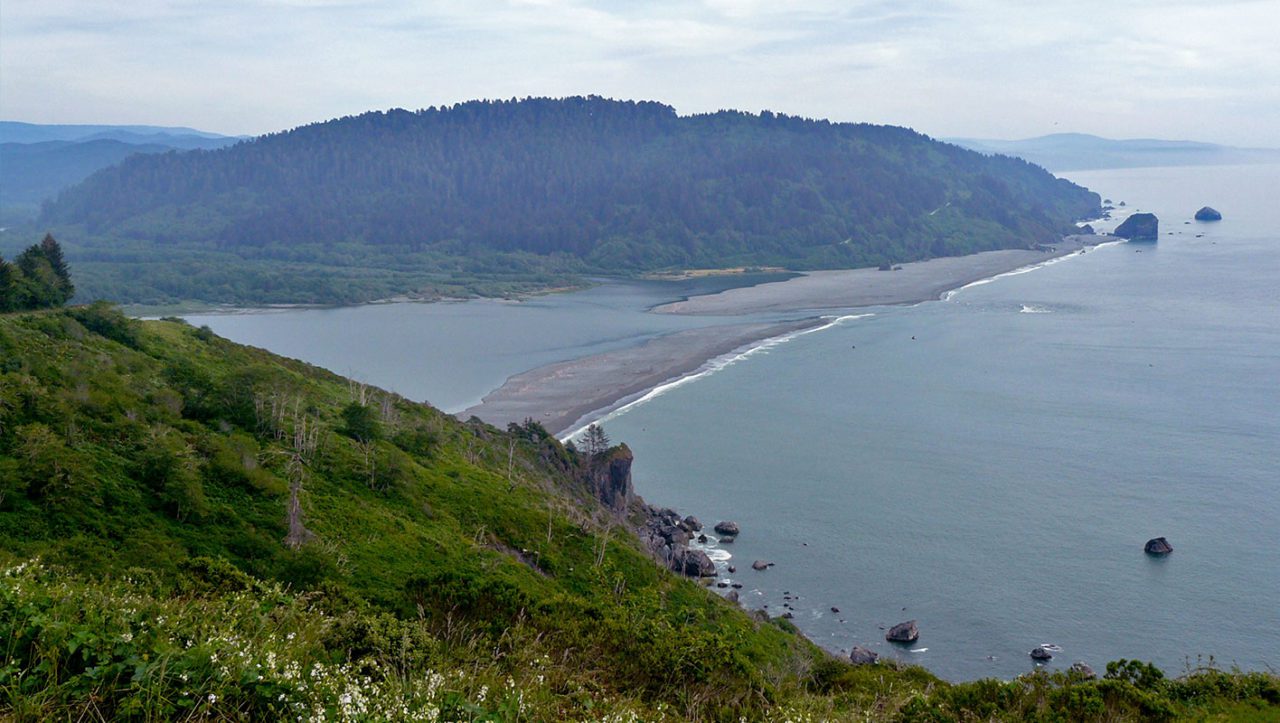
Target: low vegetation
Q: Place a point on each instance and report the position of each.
(191, 529)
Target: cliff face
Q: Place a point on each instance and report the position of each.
(609, 478)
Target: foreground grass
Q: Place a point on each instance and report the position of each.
(192, 529)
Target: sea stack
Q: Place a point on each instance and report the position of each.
(1158, 546)
(1139, 227)
(1208, 214)
(727, 527)
(903, 633)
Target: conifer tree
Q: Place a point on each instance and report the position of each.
(53, 252)
(7, 290)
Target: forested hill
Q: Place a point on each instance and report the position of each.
(620, 186)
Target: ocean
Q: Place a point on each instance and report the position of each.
(988, 465)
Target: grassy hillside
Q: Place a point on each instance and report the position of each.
(190, 528)
(524, 190)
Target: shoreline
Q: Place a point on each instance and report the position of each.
(562, 394)
(567, 396)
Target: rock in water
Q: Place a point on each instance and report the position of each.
(903, 633)
(1040, 653)
(1139, 227)
(862, 656)
(1083, 670)
(1158, 546)
(760, 565)
(727, 528)
(1208, 214)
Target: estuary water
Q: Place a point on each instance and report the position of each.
(989, 465)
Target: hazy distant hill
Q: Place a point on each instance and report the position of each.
(579, 184)
(1078, 151)
(37, 161)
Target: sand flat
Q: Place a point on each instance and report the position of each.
(560, 394)
(849, 288)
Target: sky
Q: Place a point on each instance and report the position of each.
(1207, 71)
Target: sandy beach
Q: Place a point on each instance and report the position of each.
(559, 395)
(850, 288)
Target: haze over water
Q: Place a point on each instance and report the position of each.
(992, 463)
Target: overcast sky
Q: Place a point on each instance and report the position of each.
(984, 68)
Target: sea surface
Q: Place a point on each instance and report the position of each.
(989, 465)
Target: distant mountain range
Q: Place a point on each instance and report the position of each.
(1079, 151)
(37, 161)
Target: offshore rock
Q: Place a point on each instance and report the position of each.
(862, 656)
(1208, 214)
(903, 632)
(761, 565)
(1041, 653)
(1158, 546)
(727, 528)
(1139, 227)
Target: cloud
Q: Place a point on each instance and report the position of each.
(960, 67)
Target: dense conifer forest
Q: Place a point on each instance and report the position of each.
(496, 196)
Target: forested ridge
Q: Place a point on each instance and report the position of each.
(541, 187)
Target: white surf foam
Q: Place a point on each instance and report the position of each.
(710, 367)
(1033, 309)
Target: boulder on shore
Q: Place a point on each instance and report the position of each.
(1208, 214)
(1158, 546)
(692, 523)
(903, 632)
(862, 656)
(1041, 653)
(1083, 670)
(693, 563)
(1139, 227)
(726, 527)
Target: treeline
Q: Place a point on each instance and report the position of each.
(618, 186)
(38, 278)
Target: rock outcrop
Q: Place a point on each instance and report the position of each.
(1083, 670)
(609, 478)
(903, 633)
(693, 563)
(693, 524)
(726, 528)
(862, 656)
(1139, 227)
(1158, 546)
(1208, 214)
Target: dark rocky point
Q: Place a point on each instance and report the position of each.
(1158, 546)
(726, 528)
(903, 633)
(693, 563)
(692, 523)
(1139, 227)
(1208, 214)
(862, 656)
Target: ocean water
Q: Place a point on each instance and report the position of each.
(992, 464)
